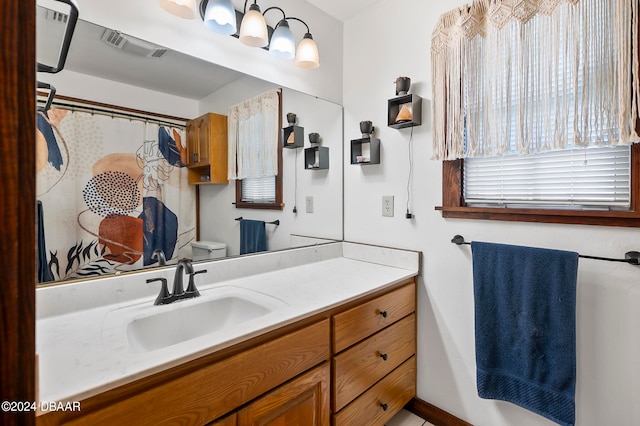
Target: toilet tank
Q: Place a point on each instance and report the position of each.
(203, 250)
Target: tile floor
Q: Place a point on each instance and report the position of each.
(405, 418)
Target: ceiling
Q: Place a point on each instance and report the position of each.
(88, 54)
(342, 10)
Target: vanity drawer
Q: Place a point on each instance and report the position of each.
(358, 368)
(385, 399)
(351, 326)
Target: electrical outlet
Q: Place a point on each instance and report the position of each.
(309, 204)
(387, 205)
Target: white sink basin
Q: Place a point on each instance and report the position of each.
(150, 328)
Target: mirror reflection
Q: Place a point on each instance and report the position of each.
(113, 159)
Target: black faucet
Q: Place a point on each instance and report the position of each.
(159, 254)
(179, 293)
(184, 265)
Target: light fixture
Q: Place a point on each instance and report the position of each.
(183, 8)
(307, 55)
(253, 29)
(281, 44)
(219, 16)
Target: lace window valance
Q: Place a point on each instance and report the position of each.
(535, 75)
(253, 137)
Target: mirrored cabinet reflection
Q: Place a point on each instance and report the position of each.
(207, 149)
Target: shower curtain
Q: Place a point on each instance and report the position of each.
(113, 190)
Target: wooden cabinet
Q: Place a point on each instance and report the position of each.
(289, 376)
(374, 359)
(207, 149)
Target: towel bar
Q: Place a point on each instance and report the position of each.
(275, 222)
(630, 257)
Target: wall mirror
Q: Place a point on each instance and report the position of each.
(91, 181)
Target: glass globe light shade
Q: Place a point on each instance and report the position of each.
(253, 30)
(307, 53)
(282, 45)
(183, 8)
(220, 17)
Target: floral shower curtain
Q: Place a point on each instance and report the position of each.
(112, 191)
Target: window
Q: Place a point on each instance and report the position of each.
(259, 190)
(590, 178)
(260, 193)
(263, 192)
(454, 204)
(533, 109)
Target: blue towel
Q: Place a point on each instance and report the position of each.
(525, 324)
(253, 236)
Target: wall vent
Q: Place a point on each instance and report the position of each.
(55, 16)
(132, 44)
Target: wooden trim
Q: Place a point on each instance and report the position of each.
(603, 218)
(452, 183)
(280, 167)
(278, 204)
(635, 177)
(453, 205)
(433, 414)
(197, 213)
(17, 215)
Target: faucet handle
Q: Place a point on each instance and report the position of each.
(192, 291)
(164, 294)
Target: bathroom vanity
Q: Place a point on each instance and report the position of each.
(330, 339)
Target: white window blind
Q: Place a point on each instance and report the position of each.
(259, 190)
(574, 178)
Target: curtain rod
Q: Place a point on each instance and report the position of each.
(630, 257)
(75, 104)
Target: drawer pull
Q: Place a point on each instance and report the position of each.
(384, 357)
(383, 313)
(384, 407)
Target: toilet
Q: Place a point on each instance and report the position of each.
(203, 250)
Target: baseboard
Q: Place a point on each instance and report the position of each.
(433, 414)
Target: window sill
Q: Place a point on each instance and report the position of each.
(241, 205)
(602, 218)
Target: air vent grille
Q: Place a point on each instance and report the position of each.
(158, 53)
(132, 45)
(55, 16)
(113, 38)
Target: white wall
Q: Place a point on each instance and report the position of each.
(217, 213)
(391, 39)
(83, 86)
(146, 20)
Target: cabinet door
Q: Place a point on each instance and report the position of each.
(192, 142)
(204, 140)
(303, 401)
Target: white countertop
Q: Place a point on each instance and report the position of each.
(80, 354)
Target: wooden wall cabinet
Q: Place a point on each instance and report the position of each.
(207, 149)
